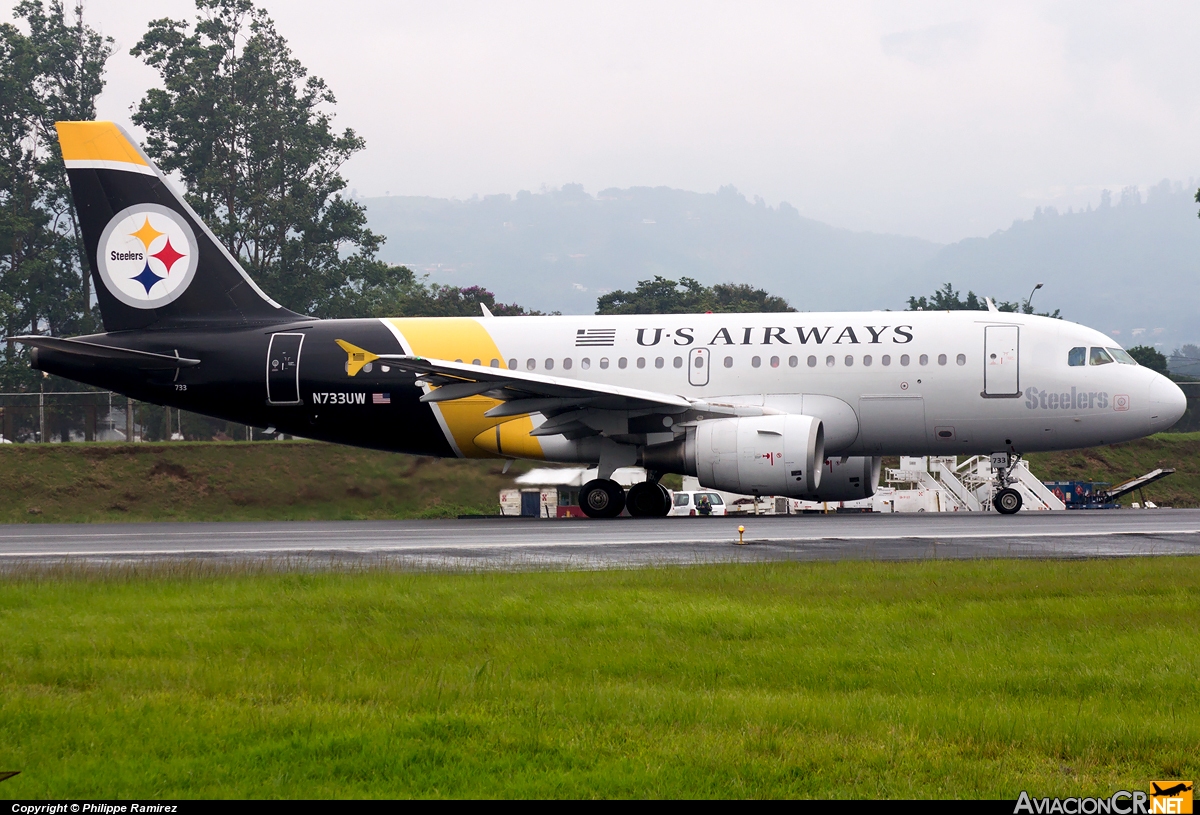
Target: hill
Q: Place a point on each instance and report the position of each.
(561, 249)
(1130, 268)
(260, 481)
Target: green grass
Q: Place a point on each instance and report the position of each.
(1120, 462)
(214, 481)
(857, 679)
(258, 481)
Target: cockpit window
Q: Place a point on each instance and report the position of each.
(1122, 356)
(1099, 357)
(1077, 356)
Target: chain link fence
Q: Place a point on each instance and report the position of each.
(89, 416)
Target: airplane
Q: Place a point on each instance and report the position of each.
(795, 404)
(1170, 792)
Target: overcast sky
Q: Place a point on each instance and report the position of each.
(937, 119)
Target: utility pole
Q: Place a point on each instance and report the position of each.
(41, 412)
(129, 419)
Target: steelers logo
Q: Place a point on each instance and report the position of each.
(147, 255)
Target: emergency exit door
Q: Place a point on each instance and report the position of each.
(283, 369)
(698, 367)
(1001, 360)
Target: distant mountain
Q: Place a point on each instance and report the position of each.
(560, 250)
(1130, 268)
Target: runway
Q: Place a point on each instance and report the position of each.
(628, 542)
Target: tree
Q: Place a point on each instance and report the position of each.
(1149, 357)
(249, 132)
(689, 296)
(947, 299)
(54, 72)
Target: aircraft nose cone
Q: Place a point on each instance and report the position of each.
(1167, 404)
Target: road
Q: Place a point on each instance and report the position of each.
(522, 543)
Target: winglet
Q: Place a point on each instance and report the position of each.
(487, 312)
(991, 304)
(356, 357)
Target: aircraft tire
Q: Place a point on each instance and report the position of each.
(602, 498)
(648, 500)
(1008, 501)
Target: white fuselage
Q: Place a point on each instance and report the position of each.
(915, 383)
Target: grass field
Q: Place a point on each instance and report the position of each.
(215, 481)
(946, 679)
(209, 481)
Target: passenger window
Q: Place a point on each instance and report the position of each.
(530, 364)
(604, 362)
(941, 359)
(495, 363)
(549, 365)
(793, 362)
(512, 365)
(849, 360)
(1077, 357)
(756, 361)
(585, 363)
(812, 362)
(904, 359)
(774, 362)
(677, 362)
(622, 363)
(961, 359)
(641, 363)
(658, 362)
(567, 364)
(829, 361)
(924, 359)
(867, 360)
(475, 362)
(886, 359)
(1099, 357)
(1122, 356)
(728, 362)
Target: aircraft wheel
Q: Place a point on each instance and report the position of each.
(1007, 501)
(648, 500)
(602, 498)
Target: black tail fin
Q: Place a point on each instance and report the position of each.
(153, 262)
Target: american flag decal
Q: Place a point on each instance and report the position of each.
(585, 337)
(381, 399)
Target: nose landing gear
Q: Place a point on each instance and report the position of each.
(1007, 500)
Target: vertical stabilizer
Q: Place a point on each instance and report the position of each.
(153, 261)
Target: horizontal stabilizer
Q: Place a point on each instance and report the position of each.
(141, 360)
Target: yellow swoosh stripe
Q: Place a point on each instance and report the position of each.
(96, 142)
(463, 338)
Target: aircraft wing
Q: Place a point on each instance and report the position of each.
(523, 392)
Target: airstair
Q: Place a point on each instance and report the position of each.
(944, 484)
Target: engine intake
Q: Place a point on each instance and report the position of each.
(758, 455)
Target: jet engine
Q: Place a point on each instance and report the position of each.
(848, 479)
(762, 455)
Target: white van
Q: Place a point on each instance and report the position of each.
(688, 503)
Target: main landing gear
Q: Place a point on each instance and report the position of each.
(1007, 500)
(605, 498)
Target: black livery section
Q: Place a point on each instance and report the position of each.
(219, 295)
(372, 409)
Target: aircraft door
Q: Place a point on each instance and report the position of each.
(698, 367)
(1001, 360)
(283, 369)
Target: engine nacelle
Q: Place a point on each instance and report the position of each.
(854, 479)
(762, 455)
